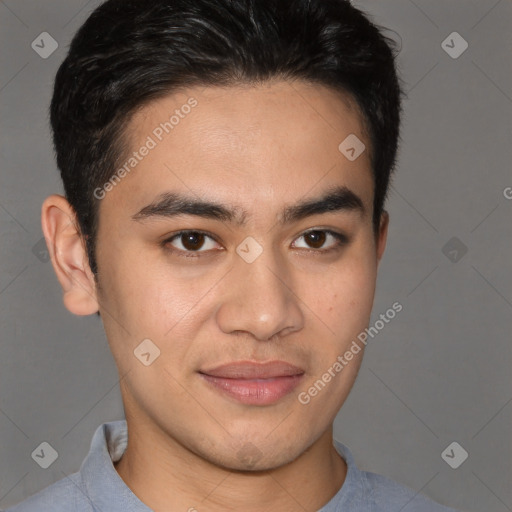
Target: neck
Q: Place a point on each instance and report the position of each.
(165, 475)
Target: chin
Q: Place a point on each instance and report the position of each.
(259, 455)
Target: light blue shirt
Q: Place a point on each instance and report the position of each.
(97, 487)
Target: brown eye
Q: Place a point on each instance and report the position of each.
(315, 238)
(321, 240)
(192, 241)
(189, 242)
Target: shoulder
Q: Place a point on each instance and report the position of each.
(95, 483)
(388, 495)
(62, 496)
(364, 490)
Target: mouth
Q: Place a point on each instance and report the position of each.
(254, 383)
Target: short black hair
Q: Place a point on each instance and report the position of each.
(129, 52)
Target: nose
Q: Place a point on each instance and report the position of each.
(258, 299)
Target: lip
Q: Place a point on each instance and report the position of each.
(254, 370)
(254, 383)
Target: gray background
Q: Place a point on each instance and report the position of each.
(439, 372)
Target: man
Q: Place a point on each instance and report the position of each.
(225, 165)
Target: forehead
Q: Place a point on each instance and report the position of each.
(252, 145)
(226, 114)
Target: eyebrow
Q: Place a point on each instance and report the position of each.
(173, 204)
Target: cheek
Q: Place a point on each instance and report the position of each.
(347, 295)
(154, 300)
(345, 308)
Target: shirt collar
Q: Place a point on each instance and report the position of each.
(105, 488)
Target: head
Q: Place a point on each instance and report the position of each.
(227, 119)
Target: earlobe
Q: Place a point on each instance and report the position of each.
(68, 255)
(383, 234)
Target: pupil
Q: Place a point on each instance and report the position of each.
(316, 238)
(193, 241)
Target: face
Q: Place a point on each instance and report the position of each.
(241, 244)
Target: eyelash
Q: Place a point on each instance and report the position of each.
(341, 240)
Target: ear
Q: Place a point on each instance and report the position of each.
(382, 235)
(68, 255)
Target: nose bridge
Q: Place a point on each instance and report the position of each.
(258, 299)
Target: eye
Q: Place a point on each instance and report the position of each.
(190, 242)
(316, 238)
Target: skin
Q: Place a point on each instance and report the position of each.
(259, 148)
